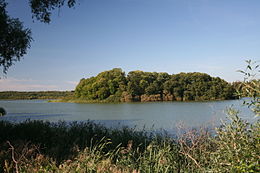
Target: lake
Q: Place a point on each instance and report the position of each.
(155, 115)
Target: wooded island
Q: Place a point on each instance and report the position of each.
(115, 86)
(139, 86)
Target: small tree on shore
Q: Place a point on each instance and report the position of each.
(2, 111)
(251, 86)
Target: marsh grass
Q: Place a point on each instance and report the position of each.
(37, 146)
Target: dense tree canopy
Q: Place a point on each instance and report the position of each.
(104, 85)
(114, 85)
(15, 39)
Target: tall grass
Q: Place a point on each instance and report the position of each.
(37, 146)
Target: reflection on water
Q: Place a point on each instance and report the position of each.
(154, 115)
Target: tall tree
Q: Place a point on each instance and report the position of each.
(15, 39)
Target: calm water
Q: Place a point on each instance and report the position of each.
(155, 115)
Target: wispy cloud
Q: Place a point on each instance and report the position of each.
(13, 84)
(72, 82)
(3, 80)
(17, 84)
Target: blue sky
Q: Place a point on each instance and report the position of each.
(210, 36)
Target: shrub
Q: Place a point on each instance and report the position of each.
(2, 111)
(237, 146)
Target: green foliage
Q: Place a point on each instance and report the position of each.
(14, 38)
(237, 146)
(139, 82)
(198, 86)
(251, 86)
(106, 85)
(41, 9)
(16, 95)
(2, 111)
(114, 86)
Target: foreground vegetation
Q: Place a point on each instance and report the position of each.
(37, 146)
(115, 86)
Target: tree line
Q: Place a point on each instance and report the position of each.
(115, 86)
(16, 95)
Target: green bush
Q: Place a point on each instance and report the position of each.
(237, 146)
(237, 141)
(2, 111)
(251, 86)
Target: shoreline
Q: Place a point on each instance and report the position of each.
(104, 101)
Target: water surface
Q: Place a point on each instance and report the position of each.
(154, 115)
